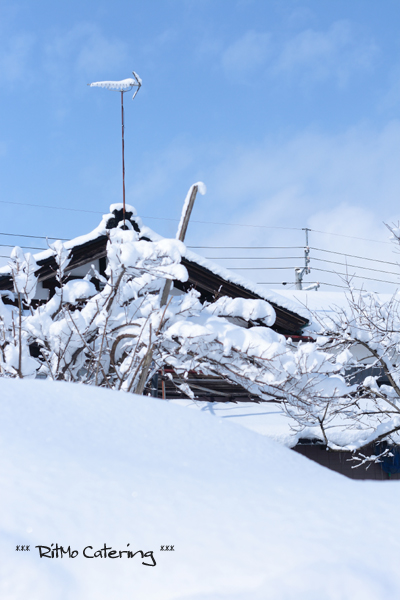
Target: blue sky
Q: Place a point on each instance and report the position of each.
(287, 110)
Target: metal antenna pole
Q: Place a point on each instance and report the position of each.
(123, 155)
(125, 85)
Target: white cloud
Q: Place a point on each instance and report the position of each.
(247, 53)
(345, 184)
(362, 234)
(359, 166)
(83, 51)
(310, 55)
(337, 52)
(278, 182)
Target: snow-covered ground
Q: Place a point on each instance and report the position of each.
(248, 518)
(269, 419)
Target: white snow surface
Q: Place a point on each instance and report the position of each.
(78, 289)
(248, 518)
(262, 291)
(245, 309)
(269, 419)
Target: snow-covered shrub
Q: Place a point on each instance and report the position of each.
(364, 338)
(107, 337)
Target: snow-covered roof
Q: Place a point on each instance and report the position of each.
(78, 241)
(260, 290)
(145, 232)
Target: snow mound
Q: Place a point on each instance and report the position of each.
(248, 518)
(78, 289)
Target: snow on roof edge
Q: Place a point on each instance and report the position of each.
(78, 241)
(232, 277)
(226, 274)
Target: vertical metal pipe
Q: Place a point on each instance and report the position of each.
(123, 156)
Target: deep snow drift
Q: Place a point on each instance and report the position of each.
(248, 518)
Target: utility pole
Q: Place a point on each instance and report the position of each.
(299, 272)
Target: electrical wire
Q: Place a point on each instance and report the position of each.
(27, 247)
(354, 256)
(386, 262)
(343, 287)
(249, 247)
(245, 248)
(195, 221)
(333, 262)
(148, 217)
(96, 212)
(293, 258)
(352, 237)
(37, 237)
(255, 258)
(358, 276)
(259, 268)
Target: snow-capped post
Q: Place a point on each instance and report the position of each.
(181, 233)
(125, 85)
(182, 227)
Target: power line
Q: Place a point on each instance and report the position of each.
(146, 217)
(254, 258)
(195, 221)
(292, 248)
(334, 262)
(343, 287)
(259, 268)
(27, 247)
(349, 236)
(38, 237)
(249, 258)
(358, 276)
(249, 247)
(354, 256)
(96, 212)
(294, 258)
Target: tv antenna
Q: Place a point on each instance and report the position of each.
(125, 85)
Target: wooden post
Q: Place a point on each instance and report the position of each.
(183, 225)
